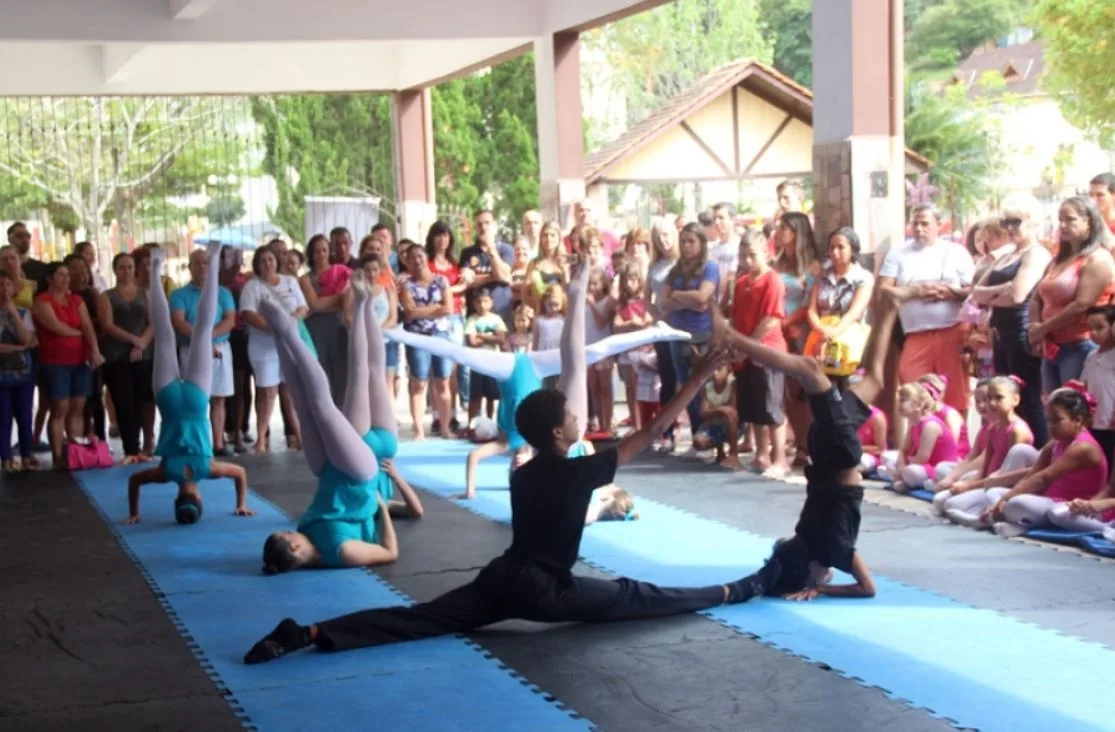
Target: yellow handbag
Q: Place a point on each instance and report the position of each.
(840, 356)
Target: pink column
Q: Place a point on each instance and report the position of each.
(557, 71)
(413, 146)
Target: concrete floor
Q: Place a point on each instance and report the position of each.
(93, 648)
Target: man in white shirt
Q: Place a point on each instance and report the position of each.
(724, 250)
(940, 271)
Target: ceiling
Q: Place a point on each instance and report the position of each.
(123, 47)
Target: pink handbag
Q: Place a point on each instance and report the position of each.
(88, 457)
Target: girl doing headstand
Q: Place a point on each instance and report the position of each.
(185, 437)
(348, 523)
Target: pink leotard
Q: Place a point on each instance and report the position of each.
(944, 449)
(1084, 483)
(962, 442)
(998, 442)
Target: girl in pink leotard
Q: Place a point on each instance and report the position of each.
(928, 443)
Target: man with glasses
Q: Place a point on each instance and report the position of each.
(19, 236)
(941, 272)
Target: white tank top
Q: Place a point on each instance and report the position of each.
(549, 332)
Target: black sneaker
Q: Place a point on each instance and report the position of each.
(288, 636)
(435, 428)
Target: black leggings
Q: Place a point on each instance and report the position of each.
(668, 377)
(507, 589)
(1012, 356)
(129, 383)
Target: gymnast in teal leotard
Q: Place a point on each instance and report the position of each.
(185, 436)
(350, 450)
(520, 374)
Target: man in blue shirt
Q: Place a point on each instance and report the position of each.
(183, 316)
(489, 261)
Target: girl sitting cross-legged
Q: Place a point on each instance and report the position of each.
(971, 467)
(929, 441)
(1070, 466)
(1007, 448)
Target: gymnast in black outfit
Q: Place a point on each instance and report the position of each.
(827, 529)
(533, 579)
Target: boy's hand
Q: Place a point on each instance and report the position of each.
(243, 511)
(715, 356)
(804, 595)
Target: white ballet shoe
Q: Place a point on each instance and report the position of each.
(277, 318)
(158, 258)
(664, 332)
(963, 518)
(360, 285)
(1008, 530)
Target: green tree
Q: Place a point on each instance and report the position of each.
(324, 144)
(225, 207)
(960, 137)
(658, 54)
(90, 159)
(790, 22)
(1079, 40)
(946, 33)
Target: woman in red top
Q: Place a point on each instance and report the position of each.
(67, 350)
(1081, 276)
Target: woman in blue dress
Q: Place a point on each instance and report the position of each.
(521, 374)
(350, 450)
(185, 436)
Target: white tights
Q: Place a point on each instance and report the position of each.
(499, 365)
(1061, 517)
(975, 502)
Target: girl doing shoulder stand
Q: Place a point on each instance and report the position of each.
(348, 523)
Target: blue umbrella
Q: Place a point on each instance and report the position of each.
(228, 237)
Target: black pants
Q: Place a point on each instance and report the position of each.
(668, 378)
(95, 406)
(1012, 356)
(129, 384)
(507, 589)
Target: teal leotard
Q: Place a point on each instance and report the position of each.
(384, 445)
(185, 437)
(577, 449)
(345, 509)
(522, 382)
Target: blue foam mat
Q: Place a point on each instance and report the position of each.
(208, 578)
(1059, 536)
(958, 662)
(1097, 545)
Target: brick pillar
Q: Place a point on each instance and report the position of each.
(557, 73)
(413, 147)
(858, 156)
